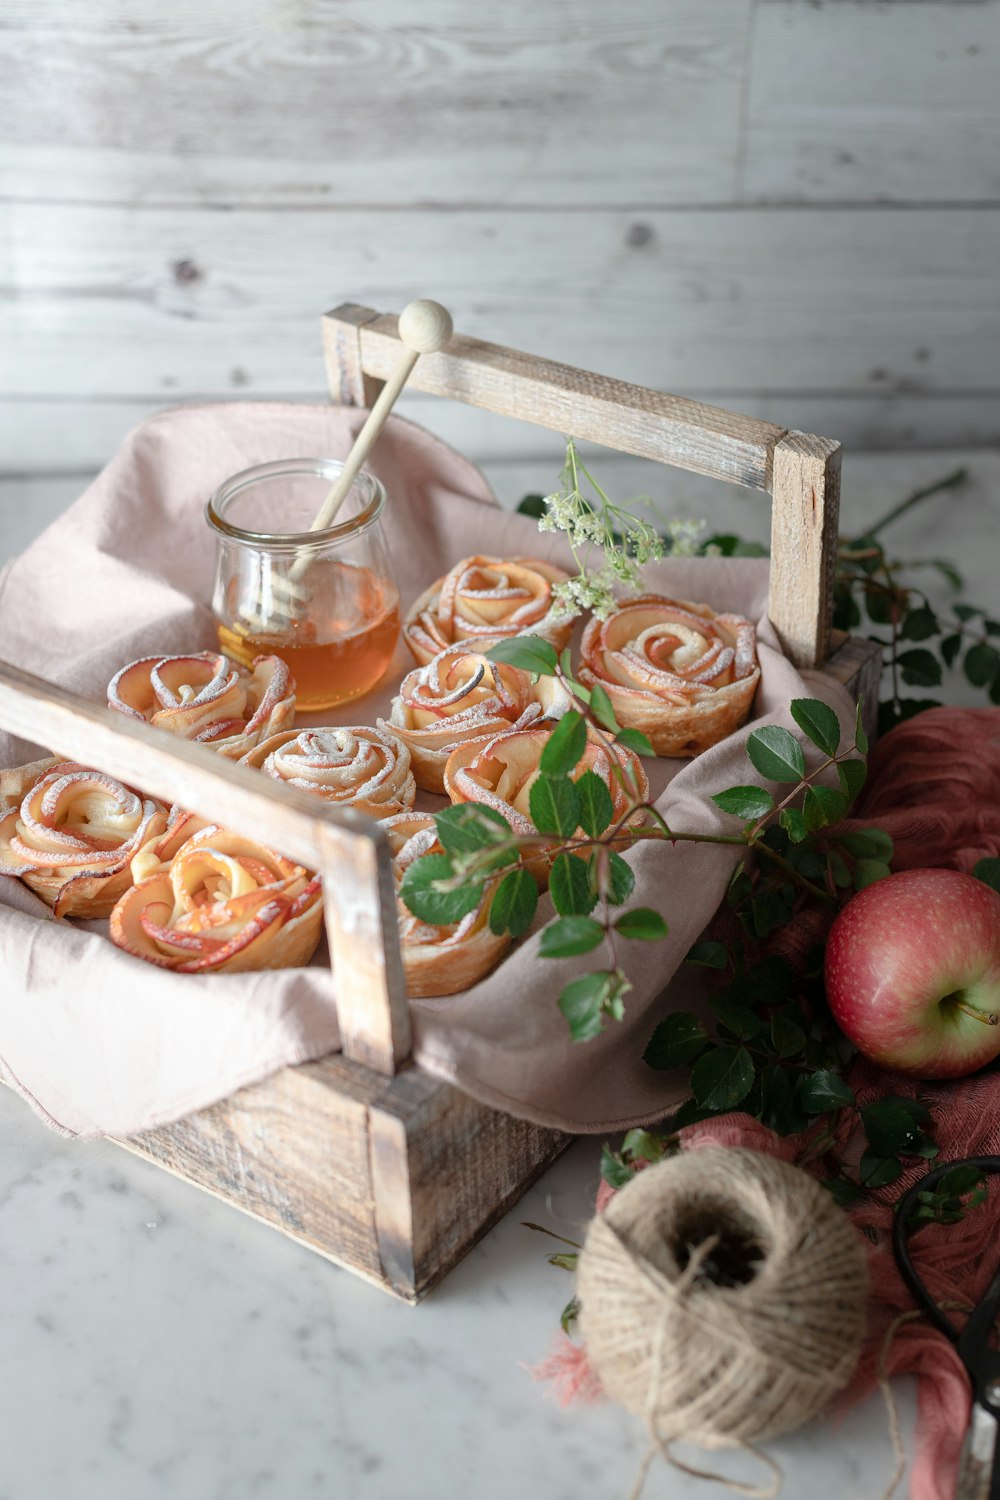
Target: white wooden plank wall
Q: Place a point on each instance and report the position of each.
(788, 207)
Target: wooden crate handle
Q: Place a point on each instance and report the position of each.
(350, 851)
(801, 472)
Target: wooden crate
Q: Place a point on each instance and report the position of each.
(363, 1156)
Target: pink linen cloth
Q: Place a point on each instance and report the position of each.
(102, 1043)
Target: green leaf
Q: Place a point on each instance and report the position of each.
(966, 611)
(959, 1181)
(818, 1092)
(513, 907)
(949, 648)
(621, 878)
(565, 1260)
(578, 688)
(920, 668)
(842, 876)
(743, 1022)
(676, 1042)
(532, 505)
(439, 908)
(776, 754)
(570, 935)
(564, 747)
(919, 625)
(982, 663)
(602, 708)
(614, 1171)
(794, 824)
(867, 871)
(852, 775)
(749, 802)
(642, 924)
(992, 627)
(771, 908)
(569, 1315)
(554, 805)
(988, 870)
(818, 723)
(894, 1126)
(708, 955)
(596, 806)
(879, 1171)
(640, 1145)
(823, 805)
(722, 1078)
(587, 1000)
(867, 843)
(843, 1191)
(634, 739)
(566, 661)
(950, 572)
(569, 886)
(470, 826)
(529, 652)
(787, 1036)
(860, 737)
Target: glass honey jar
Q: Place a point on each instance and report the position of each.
(323, 600)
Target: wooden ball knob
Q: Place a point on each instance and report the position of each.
(425, 326)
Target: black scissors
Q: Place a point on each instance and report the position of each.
(979, 1478)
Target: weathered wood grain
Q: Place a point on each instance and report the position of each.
(855, 102)
(627, 418)
(805, 510)
(291, 1151)
(444, 1170)
(856, 663)
(332, 101)
(147, 301)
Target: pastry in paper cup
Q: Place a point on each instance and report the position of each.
(226, 905)
(676, 671)
(70, 832)
(459, 695)
(439, 960)
(501, 771)
(356, 766)
(483, 600)
(208, 698)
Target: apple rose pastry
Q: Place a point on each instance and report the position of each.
(226, 904)
(439, 960)
(500, 773)
(69, 833)
(350, 767)
(678, 672)
(484, 599)
(208, 698)
(458, 696)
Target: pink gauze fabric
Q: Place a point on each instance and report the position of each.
(102, 1043)
(934, 784)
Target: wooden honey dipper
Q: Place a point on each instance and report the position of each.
(424, 328)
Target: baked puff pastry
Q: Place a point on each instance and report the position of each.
(226, 905)
(208, 698)
(439, 960)
(483, 600)
(458, 696)
(70, 832)
(360, 767)
(500, 773)
(677, 671)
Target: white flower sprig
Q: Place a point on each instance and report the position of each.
(626, 540)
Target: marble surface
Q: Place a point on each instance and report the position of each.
(157, 1345)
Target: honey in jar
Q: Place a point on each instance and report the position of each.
(322, 600)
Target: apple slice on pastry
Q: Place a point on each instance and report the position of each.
(70, 832)
(439, 960)
(360, 767)
(676, 671)
(226, 904)
(208, 698)
(484, 599)
(459, 695)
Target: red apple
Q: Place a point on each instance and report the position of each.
(913, 973)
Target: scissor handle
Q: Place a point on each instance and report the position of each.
(984, 1313)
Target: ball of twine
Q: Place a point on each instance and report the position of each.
(722, 1299)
